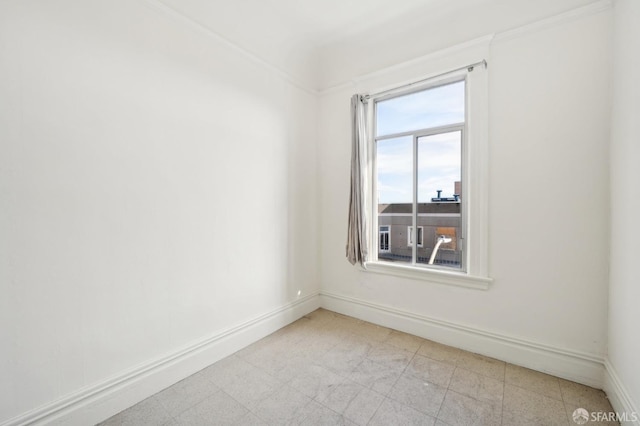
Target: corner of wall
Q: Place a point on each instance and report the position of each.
(107, 398)
(619, 397)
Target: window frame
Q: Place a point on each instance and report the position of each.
(474, 273)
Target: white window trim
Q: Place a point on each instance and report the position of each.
(476, 182)
(439, 276)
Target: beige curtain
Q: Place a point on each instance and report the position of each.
(357, 231)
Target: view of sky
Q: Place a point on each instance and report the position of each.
(439, 156)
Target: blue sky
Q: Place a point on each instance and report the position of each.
(439, 156)
(421, 110)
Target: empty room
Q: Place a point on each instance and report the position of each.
(280, 212)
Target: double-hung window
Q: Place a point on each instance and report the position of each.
(428, 182)
(419, 144)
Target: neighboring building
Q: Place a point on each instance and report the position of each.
(434, 219)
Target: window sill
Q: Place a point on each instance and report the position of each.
(437, 276)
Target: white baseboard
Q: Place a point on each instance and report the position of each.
(100, 401)
(571, 365)
(619, 397)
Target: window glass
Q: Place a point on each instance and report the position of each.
(439, 198)
(439, 166)
(434, 107)
(394, 161)
(410, 235)
(384, 239)
(418, 158)
(395, 164)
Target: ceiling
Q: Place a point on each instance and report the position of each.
(315, 22)
(296, 35)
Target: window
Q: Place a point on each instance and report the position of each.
(418, 150)
(410, 235)
(428, 147)
(383, 245)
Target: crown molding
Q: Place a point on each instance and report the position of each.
(483, 41)
(200, 28)
(580, 12)
(590, 9)
(539, 25)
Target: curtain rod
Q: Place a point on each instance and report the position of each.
(469, 68)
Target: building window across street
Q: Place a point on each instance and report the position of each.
(410, 235)
(384, 239)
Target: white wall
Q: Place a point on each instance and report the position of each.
(549, 204)
(409, 35)
(624, 291)
(155, 189)
(275, 32)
